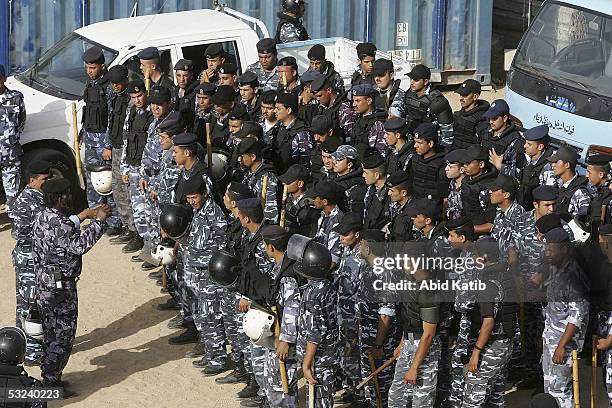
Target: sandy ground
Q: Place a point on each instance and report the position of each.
(121, 355)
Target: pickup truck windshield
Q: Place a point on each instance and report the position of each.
(571, 46)
(60, 71)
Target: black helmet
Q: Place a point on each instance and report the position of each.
(543, 400)
(312, 259)
(292, 6)
(12, 345)
(175, 220)
(223, 268)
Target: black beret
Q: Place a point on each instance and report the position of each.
(605, 229)
(397, 178)
(289, 100)
(149, 53)
(249, 203)
(331, 145)
(206, 89)
(548, 222)
(184, 139)
(599, 159)
(39, 167)
(248, 78)
(266, 46)
(225, 95)
(396, 125)
(183, 65)
(295, 172)
(536, 133)
(136, 86)
(171, 124)
(426, 131)
(228, 68)
(56, 185)
(373, 235)
(373, 161)
(455, 156)
(250, 129)
(93, 55)
(459, 223)
(240, 191)
(309, 76)
(363, 90)
(239, 112)
(320, 124)
(366, 49)
(118, 74)
(316, 52)
(556, 236)
(159, 95)
(287, 62)
(214, 50)
(250, 145)
(194, 184)
(320, 82)
(274, 234)
(545, 193)
(382, 66)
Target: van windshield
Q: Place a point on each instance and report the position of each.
(60, 71)
(570, 46)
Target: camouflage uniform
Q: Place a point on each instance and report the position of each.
(95, 143)
(567, 303)
(206, 235)
(325, 234)
(604, 331)
(58, 248)
(455, 205)
(27, 205)
(268, 80)
(13, 114)
(579, 203)
(346, 281)
(318, 324)
(288, 299)
(255, 182)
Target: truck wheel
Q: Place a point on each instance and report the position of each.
(62, 166)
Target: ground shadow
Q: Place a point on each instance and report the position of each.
(143, 317)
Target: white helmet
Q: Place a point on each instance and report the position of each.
(101, 178)
(164, 254)
(579, 230)
(32, 324)
(259, 326)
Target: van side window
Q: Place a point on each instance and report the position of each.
(195, 53)
(133, 66)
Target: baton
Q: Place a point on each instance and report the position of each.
(576, 378)
(264, 191)
(147, 81)
(376, 383)
(375, 373)
(209, 148)
(311, 393)
(77, 145)
(281, 363)
(594, 373)
(282, 214)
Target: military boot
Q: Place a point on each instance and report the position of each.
(177, 322)
(190, 335)
(197, 351)
(210, 370)
(155, 275)
(250, 390)
(124, 238)
(147, 266)
(113, 231)
(169, 305)
(238, 375)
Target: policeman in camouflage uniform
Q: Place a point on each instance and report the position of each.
(366, 52)
(537, 170)
(376, 201)
(335, 106)
(299, 214)
(285, 295)
(215, 57)
(400, 228)
(507, 219)
(346, 281)
(598, 173)
(135, 129)
(368, 133)
(28, 203)
(118, 111)
(203, 110)
(265, 69)
(290, 27)
(455, 173)
(348, 173)
(605, 306)
(150, 65)
(422, 103)
(94, 134)
(249, 95)
(205, 236)
(401, 150)
(379, 332)
(574, 198)
(58, 247)
(427, 165)
(326, 196)
(493, 321)
(185, 91)
(317, 347)
(502, 140)
(260, 175)
(318, 63)
(13, 114)
(469, 121)
(566, 316)
(294, 142)
(387, 86)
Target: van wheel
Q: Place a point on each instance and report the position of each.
(62, 166)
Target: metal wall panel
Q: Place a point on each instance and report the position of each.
(451, 34)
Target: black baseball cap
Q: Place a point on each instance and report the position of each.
(566, 154)
(469, 86)
(382, 66)
(293, 173)
(505, 183)
(350, 222)
(420, 71)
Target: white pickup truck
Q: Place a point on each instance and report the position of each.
(58, 78)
